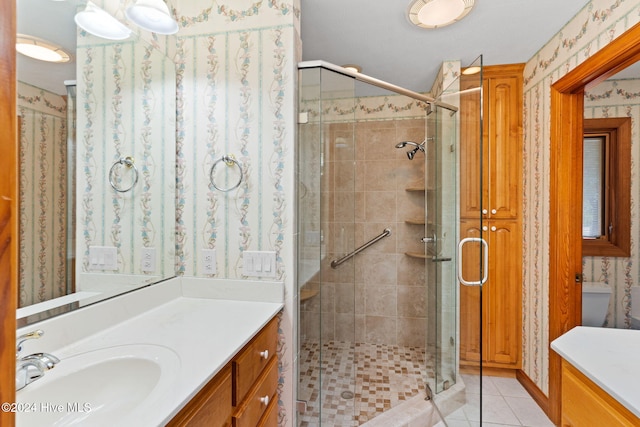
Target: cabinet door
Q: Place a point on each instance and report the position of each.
(470, 298)
(211, 407)
(503, 138)
(500, 298)
(471, 200)
(503, 294)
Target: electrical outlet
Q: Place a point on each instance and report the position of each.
(208, 261)
(148, 260)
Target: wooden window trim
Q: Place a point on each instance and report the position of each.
(618, 243)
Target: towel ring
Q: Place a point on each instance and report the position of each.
(229, 160)
(128, 162)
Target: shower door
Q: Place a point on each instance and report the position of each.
(456, 253)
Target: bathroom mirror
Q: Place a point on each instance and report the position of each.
(616, 99)
(96, 163)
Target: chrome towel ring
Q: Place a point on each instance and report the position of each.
(229, 160)
(129, 164)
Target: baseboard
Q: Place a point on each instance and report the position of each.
(541, 399)
(488, 371)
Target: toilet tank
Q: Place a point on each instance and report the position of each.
(595, 303)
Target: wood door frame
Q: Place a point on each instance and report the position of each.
(565, 219)
(8, 207)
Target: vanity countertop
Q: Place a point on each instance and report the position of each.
(608, 357)
(204, 332)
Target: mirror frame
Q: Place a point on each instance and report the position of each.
(565, 230)
(8, 206)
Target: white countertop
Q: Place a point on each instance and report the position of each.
(205, 332)
(608, 357)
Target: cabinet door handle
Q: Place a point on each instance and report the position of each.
(485, 228)
(265, 400)
(493, 228)
(494, 211)
(264, 354)
(484, 211)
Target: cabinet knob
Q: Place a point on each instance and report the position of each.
(485, 228)
(493, 228)
(484, 211)
(264, 354)
(265, 400)
(494, 211)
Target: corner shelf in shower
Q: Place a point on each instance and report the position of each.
(306, 294)
(419, 255)
(418, 189)
(417, 221)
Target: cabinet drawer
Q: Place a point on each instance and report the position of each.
(249, 413)
(270, 416)
(250, 362)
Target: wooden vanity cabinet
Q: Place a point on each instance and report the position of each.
(584, 403)
(243, 393)
(255, 377)
(500, 205)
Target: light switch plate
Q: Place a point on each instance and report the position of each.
(259, 263)
(103, 258)
(208, 261)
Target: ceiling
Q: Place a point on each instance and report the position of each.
(378, 36)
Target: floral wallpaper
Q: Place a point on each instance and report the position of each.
(599, 22)
(43, 194)
(236, 81)
(125, 108)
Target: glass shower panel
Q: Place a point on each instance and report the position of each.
(472, 251)
(326, 228)
(440, 249)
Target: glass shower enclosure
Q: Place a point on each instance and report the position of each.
(377, 250)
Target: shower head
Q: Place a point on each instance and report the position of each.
(413, 152)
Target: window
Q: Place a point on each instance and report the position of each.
(606, 211)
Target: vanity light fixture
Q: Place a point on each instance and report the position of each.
(438, 13)
(152, 15)
(98, 22)
(43, 50)
(353, 67)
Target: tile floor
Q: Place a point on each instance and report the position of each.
(376, 377)
(379, 378)
(505, 403)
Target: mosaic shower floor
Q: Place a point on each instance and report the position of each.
(359, 381)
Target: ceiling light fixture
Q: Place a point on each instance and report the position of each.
(152, 15)
(353, 67)
(438, 13)
(96, 21)
(471, 70)
(43, 50)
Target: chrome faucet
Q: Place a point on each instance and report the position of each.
(32, 367)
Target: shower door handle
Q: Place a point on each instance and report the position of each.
(485, 255)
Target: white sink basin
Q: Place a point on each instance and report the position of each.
(106, 387)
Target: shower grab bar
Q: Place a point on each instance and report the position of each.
(335, 263)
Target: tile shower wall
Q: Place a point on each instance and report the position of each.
(618, 98)
(386, 303)
(43, 194)
(599, 22)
